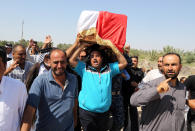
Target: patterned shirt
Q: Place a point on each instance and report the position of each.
(19, 73)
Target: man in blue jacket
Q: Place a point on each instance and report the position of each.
(95, 95)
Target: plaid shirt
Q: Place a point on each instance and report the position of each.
(19, 73)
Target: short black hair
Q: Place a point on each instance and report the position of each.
(97, 48)
(173, 53)
(3, 54)
(136, 57)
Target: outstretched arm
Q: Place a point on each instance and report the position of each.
(70, 50)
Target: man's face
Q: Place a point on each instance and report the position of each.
(8, 50)
(34, 45)
(160, 63)
(19, 55)
(82, 56)
(96, 59)
(47, 61)
(135, 62)
(171, 66)
(58, 63)
(2, 68)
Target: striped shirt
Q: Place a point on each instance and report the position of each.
(19, 73)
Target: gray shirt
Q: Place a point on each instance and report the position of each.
(160, 112)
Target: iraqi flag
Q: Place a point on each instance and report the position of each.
(104, 28)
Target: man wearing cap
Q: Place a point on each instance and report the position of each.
(13, 97)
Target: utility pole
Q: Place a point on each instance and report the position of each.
(22, 29)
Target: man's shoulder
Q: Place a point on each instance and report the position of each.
(154, 71)
(71, 76)
(14, 83)
(9, 62)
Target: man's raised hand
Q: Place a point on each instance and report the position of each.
(163, 86)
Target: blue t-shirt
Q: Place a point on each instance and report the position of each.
(95, 95)
(55, 106)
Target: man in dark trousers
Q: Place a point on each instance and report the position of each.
(129, 87)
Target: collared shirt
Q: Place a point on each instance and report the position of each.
(42, 69)
(161, 112)
(95, 95)
(19, 73)
(13, 96)
(54, 105)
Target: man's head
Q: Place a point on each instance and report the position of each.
(19, 54)
(3, 61)
(171, 65)
(58, 61)
(134, 61)
(82, 55)
(96, 59)
(8, 47)
(160, 63)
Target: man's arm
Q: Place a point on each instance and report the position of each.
(144, 95)
(47, 42)
(11, 68)
(29, 113)
(122, 63)
(148, 92)
(73, 59)
(70, 50)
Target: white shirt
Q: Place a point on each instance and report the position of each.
(42, 69)
(13, 96)
(9, 55)
(151, 75)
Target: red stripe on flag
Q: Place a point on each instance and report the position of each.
(111, 26)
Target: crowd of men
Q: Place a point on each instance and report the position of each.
(48, 89)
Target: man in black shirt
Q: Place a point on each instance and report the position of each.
(190, 84)
(129, 87)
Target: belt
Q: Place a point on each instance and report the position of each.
(115, 93)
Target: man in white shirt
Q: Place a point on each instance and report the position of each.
(13, 98)
(155, 73)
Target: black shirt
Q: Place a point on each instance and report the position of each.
(190, 84)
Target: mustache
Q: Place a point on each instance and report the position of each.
(170, 71)
(95, 61)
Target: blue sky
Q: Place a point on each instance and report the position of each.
(152, 24)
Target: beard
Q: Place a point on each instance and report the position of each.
(172, 76)
(55, 71)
